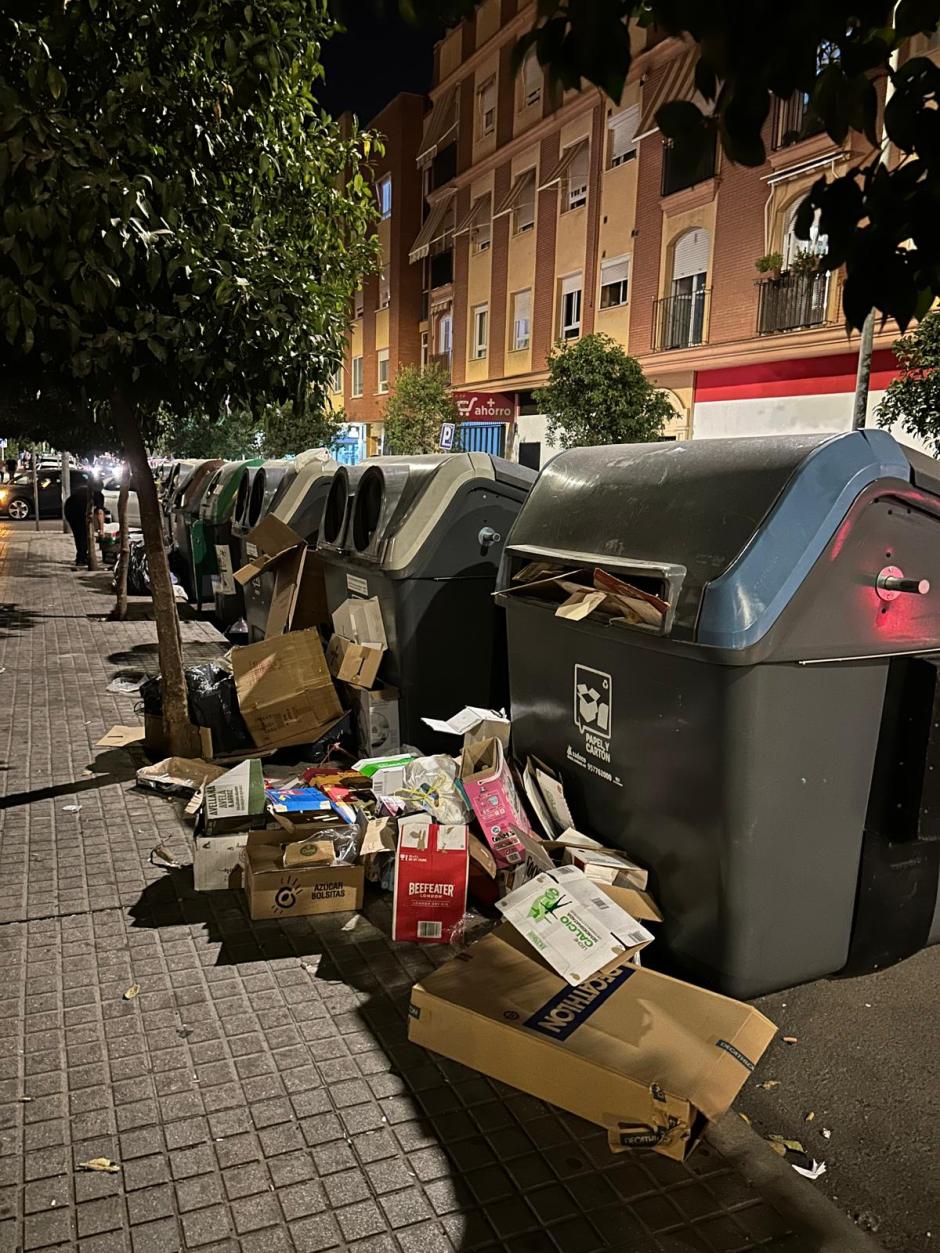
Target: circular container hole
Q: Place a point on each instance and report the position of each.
(368, 508)
(256, 499)
(334, 511)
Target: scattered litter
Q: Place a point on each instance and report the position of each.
(71, 809)
(352, 924)
(163, 858)
(769, 1083)
(312, 966)
(868, 1004)
(791, 1039)
(103, 1164)
(132, 991)
(810, 1116)
(827, 1134)
(25, 1099)
(812, 1171)
(127, 683)
(184, 1032)
(744, 1117)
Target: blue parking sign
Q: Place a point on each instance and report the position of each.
(447, 435)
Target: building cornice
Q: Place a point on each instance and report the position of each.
(817, 342)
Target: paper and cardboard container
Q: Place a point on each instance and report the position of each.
(430, 889)
(285, 692)
(643, 1055)
(487, 784)
(378, 728)
(217, 861)
(299, 597)
(276, 892)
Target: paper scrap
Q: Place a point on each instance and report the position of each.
(71, 809)
(769, 1083)
(791, 1039)
(100, 1163)
(810, 1172)
(163, 858)
(132, 991)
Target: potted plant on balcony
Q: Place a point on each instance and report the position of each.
(805, 261)
(769, 264)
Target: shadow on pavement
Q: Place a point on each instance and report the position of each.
(111, 766)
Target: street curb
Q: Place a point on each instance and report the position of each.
(811, 1214)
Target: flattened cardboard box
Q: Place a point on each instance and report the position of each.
(645, 1056)
(217, 861)
(274, 892)
(285, 692)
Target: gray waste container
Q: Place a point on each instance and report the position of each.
(424, 535)
(262, 486)
(770, 752)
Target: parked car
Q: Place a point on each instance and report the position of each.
(111, 491)
(16, 498)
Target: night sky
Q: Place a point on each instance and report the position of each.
(374, 61)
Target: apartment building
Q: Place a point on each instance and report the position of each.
(546, 216)
(384, 334)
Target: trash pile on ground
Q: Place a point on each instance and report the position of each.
(303, 798)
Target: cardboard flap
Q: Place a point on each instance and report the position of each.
(360, 621)
(272, 536)
(289, 571)
(257, 565)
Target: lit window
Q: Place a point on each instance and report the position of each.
(577, 188)
(481, 317)
(486, 108)
(358, 302)
(571, 307)
(444, 329)
(357, 376)
(336, 382)
(384, 191)
(385, 290)
(531, 80)
(614, 280)
(523, 217)
(424, 349)
(382, 359)
(621, 136)
(521, 319)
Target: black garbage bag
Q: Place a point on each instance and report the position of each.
(213, 703)
(138, 579)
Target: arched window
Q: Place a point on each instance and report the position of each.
(685, 307)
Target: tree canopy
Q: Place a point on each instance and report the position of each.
(598, 394)
(913, 398)
(286, 430)
(420, 404)
(880, 220)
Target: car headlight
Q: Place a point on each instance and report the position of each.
(3, 495)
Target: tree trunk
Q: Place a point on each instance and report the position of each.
(66, 490)
(90, 530)
(124, 547)
(175, 705)
(32, 463)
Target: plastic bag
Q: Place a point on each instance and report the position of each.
(213, 703)
(431, 785)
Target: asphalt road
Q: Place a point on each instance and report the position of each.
(867, 1066)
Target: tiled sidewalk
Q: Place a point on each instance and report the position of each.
(260, 1092)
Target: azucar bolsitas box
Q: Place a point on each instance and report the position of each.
(647, 1057)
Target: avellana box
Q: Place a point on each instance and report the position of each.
(645, 1056)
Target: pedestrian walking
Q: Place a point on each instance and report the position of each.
(76, 508)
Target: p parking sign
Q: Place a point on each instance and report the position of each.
(447, 435)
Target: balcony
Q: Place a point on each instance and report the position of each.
(678, 176)
(679, 320)
(442, 268)
(793, 121)
(796, 300)
(442, 361)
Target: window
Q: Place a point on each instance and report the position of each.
(521, 319)
(614, 277)
(382, 358)
(530, 79)
(444, 329)
(336, 382)
(384, 190)
(384, 286)
(481, 318)
(357, 376)
(571, 307)
(424, 349)
(799, 253)
(358, 302)
(481, 236)
(523, 217)
(681, 314)
(577, 187)
(621, 136)
(677, 175)
(486, 108)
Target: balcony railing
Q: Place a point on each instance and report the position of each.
(677, 176)
(442, 361)
(793, 121)
(679, 320)
(792, 302)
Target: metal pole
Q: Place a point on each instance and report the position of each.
(66, 489)
(33, 459)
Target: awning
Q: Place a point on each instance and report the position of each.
(564, 165)
(678, 83)
(433, 230)
(439, 125)
(478, 214)
(513, 197)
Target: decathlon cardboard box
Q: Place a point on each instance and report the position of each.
(647, 1057)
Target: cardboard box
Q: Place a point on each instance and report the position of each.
(358, 644)
(377, 723)
(643, 1055)
(285, 692)
(573, 924)
(224, 581)
(491, 794)
(235, 800)
(217, 861)
(276, 892)
(474, 724)
(430, 890)
(299, 597)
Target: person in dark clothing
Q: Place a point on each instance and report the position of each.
(11, 464)
(75, 509)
